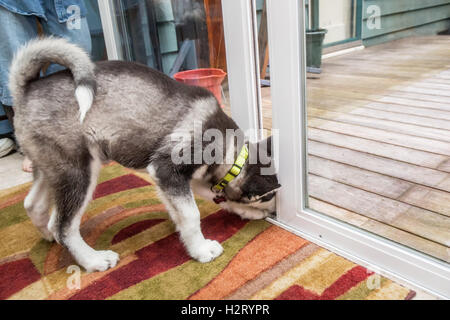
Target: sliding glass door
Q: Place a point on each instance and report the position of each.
(364, 144)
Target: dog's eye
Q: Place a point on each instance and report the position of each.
(267, 197)
(264, 198)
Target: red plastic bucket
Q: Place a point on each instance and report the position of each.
(209, 78)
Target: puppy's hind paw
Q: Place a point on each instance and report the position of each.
(207, 251)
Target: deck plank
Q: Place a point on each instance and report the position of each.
(392, 126)
(396, 111)
(435, 85)
(395, 213)
(318, 95)
(415, 103)
(420, 96)
(407, 192)
(387, 150)
(403, 118)
(437, 81)
(433, 92)
(393, 168)
(382, 229)
(399, 139)
(423, 112)
(427, 198)
(366, 180)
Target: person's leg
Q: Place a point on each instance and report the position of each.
(9, 113)
(79, 36)
(7, 144)
(27, 165)
(16, 31)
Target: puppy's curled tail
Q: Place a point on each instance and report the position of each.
(29, 60)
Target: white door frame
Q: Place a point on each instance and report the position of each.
(287, 71)
(241, 42)
(110, 29)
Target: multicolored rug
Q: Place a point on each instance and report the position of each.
(260, 260)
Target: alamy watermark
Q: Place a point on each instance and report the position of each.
(74, 19)
(212, 146)
(74, 280)
(374, 18)
(373, 281)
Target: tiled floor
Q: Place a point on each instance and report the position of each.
(11, 173)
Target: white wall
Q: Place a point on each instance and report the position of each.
(335, 16)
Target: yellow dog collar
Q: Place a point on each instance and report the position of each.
(235, 170)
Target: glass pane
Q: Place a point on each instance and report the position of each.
(95, 27)
(379, 123)
(174, 36)
(328, 22)
(264, 64)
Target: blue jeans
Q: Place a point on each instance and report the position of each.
(18, 29)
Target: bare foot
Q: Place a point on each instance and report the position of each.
(27, 165)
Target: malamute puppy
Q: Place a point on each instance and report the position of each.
(71, 122)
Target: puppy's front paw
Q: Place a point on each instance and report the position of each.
(101, 261)
(207, 251)
(253, 214)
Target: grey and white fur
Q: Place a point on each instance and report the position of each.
(71, 122)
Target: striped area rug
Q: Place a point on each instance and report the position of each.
(260, 260)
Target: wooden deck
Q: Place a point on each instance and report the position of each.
(379, 141)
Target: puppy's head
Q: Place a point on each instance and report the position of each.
(252, 194)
